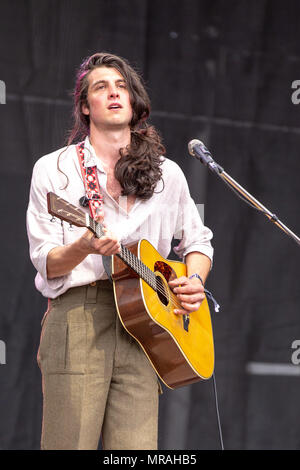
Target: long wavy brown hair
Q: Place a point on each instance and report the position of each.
(138, 168)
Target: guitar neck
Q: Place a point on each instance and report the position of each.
(66, 211)
(127, 256)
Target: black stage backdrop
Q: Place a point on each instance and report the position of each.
(217, 70)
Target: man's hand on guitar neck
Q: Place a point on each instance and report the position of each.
(62, 259)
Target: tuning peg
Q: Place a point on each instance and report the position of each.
(53, 219)
(71, 228)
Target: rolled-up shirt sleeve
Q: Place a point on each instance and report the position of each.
(43, 234)
(194, 235)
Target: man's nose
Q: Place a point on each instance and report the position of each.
(113, 92)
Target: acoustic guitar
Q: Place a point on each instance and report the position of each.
(179, 347)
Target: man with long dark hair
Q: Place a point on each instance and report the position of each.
(96, 378)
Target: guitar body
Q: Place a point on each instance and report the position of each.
(179, 348)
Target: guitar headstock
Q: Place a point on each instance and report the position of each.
(62, 209)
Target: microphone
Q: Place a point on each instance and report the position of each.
(198, 150)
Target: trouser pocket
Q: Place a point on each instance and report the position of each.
(63, 348)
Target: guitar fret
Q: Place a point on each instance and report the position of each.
(129, 258)
(98, 231)
(138, 266)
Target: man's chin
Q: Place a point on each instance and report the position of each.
(114, 125)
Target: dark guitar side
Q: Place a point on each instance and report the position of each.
(160, 348)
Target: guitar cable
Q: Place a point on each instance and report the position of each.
(217, 309)
(217, 411)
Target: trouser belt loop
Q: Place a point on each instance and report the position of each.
(91, 293)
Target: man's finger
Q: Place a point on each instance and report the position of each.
(191, 307)
(178, 280)
(191, 298)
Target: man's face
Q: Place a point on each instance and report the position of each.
(108, 99)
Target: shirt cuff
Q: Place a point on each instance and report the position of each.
(204, 249)
(43, 285)
(41, 279)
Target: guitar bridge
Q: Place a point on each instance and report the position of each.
(186, 321)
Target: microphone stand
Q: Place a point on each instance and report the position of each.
(245, 196)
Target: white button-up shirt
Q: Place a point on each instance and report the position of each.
(169, 212)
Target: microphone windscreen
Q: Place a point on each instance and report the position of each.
(192, 144)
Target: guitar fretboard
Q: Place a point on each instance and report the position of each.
(128, 257)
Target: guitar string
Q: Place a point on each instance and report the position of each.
(95, 225)
(127, 254)
(173, 298)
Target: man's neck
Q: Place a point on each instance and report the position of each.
(107, 143)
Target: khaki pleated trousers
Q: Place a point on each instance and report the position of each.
(96, 379)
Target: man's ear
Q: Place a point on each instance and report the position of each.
(85, 109)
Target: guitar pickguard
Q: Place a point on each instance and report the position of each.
(165, 269)
(169, 274)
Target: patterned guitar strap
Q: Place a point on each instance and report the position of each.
(93, 197)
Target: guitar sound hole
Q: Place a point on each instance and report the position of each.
(161, 291)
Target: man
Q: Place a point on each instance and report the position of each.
(96, 378)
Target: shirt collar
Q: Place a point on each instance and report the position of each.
(90, 157)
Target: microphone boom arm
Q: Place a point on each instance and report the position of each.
(206, 159)
(256, 204)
